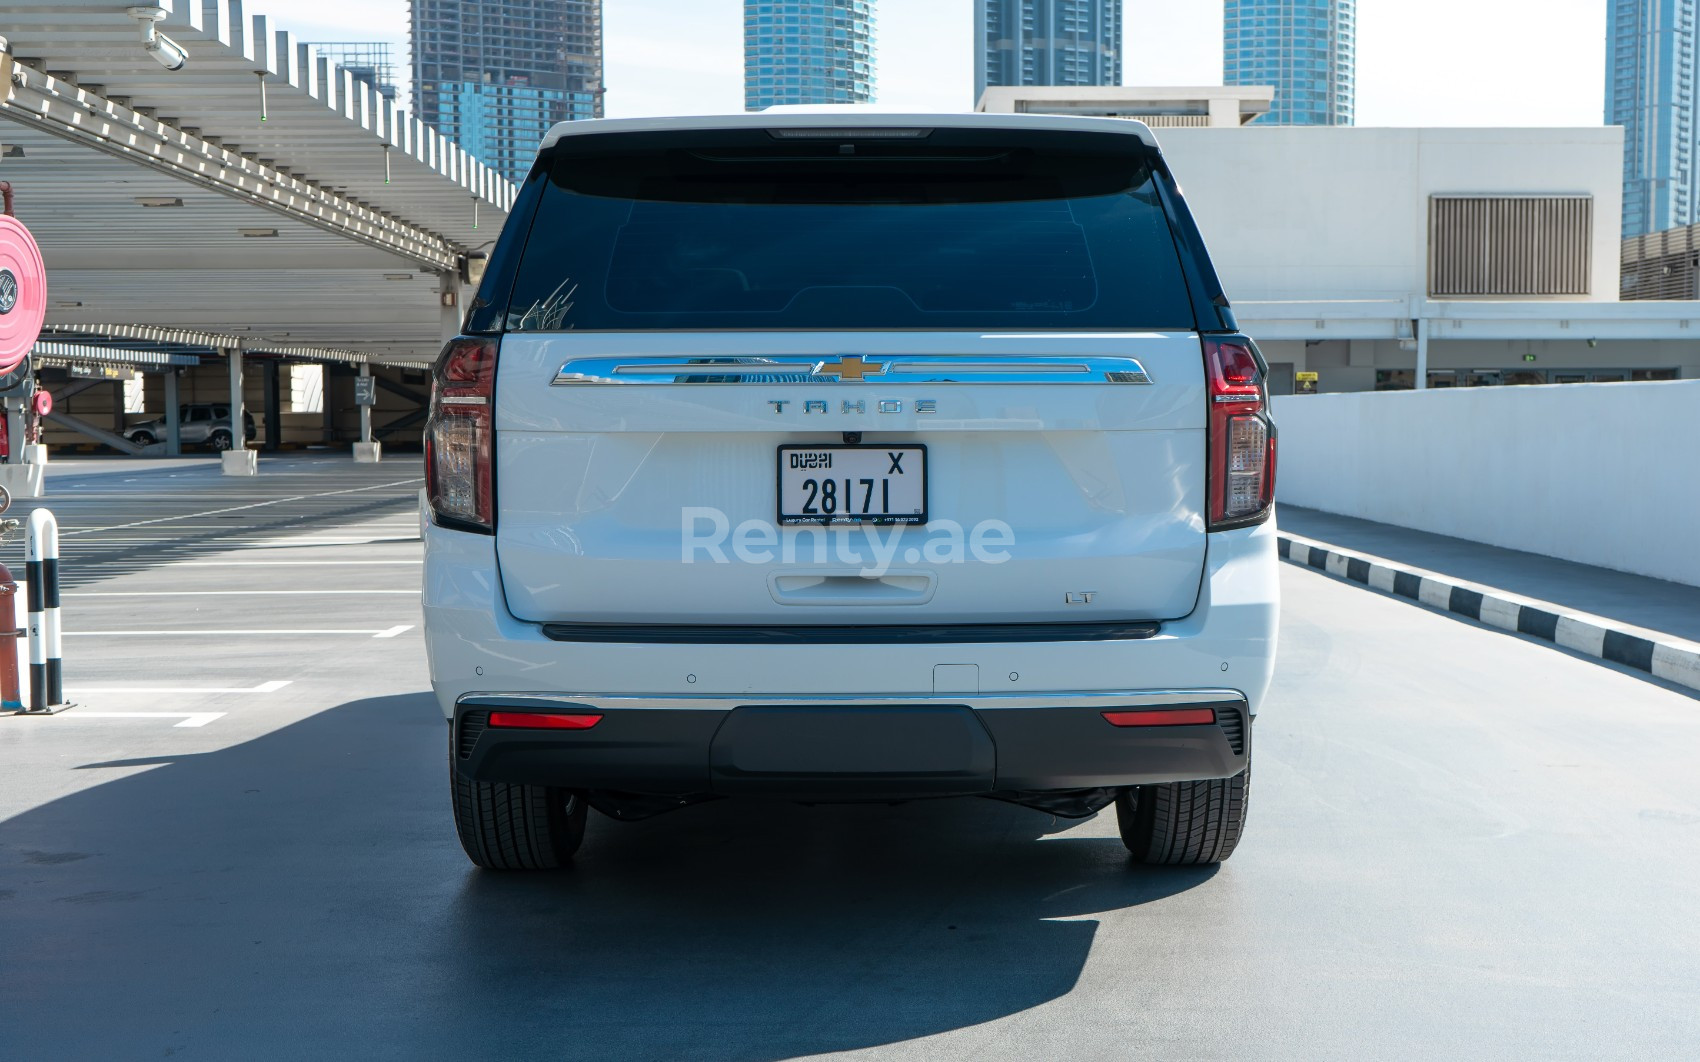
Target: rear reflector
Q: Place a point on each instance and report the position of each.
(1161, 717)
(542, 721)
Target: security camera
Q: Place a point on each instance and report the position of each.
(165, 51)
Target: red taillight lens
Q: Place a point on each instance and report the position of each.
(543, 720)
(1161, 717)
(460, 437)
(1241, 477)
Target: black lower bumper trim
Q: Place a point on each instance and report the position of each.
(849, 634)
(813, 752)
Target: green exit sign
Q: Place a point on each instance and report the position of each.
(1528, 357)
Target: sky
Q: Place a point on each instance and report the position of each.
(1420, 62)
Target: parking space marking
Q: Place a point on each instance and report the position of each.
(265, 687)
(284, 564)
(222, 593)
(239, 508)
(189, 718)
(389, 632)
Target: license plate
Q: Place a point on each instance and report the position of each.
(853, 484)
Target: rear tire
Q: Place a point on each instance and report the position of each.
(517, 827)
(1184, 823)
(219, 440)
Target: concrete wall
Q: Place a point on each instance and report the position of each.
(1604, 474)
(1312, 213)
(1351, 365)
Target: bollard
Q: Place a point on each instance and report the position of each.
(41, 571)
(10, 699)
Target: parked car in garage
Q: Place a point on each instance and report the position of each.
(199, 424)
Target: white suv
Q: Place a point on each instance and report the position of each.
(850, 457)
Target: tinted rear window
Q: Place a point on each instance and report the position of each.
(742, 230)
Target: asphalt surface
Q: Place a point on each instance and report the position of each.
(1463, 844)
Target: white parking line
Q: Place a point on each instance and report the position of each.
(223, 593)
(189, 718)
(283, 564)
(390, 632)
(239, 508)
(264, 687)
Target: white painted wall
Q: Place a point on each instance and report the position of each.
(1604, 474)
(1333, 213)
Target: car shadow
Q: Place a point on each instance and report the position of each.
(302, 893)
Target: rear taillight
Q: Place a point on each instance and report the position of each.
(459, 437)
(1241, 477)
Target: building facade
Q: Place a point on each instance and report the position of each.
(1650, 91)
(1306, 49)
(494, 75)
(808, 51)
(368, 61)
(1047, 42)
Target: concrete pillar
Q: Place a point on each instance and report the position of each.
(1421, 329)
(238, 460)
(173, 425)
(366, 451)
(448, 303)
(15, 420)
(273, 407)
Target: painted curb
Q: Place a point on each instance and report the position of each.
(1671, 659)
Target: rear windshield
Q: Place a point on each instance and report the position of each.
(749, 230)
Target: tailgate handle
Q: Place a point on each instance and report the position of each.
(848, 586)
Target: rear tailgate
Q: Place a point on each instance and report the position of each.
(657, 499)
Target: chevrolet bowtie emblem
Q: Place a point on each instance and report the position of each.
(850, 368)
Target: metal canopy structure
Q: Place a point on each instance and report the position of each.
(306, 217)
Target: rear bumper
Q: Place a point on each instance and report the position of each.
(836, 749)
(477, 649)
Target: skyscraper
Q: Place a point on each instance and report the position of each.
(1306, 49)
(1048, 42)
(808, 51)
(1650, 72)
(494, 75)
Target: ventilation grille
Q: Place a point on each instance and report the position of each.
(1233, 725)
(471, 725)
(1662, 265)
(1508, 246)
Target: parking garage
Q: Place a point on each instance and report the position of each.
(257, 229)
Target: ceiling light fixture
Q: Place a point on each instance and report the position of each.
(258, 233)
(158, 201)
(165, 51)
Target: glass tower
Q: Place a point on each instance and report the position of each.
(1048, 42)
(1306, 49)
(494, 75)
(808, 51)
(1650, 74)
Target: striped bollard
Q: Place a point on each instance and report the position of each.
(41, 567)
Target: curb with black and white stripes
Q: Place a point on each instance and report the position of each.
(1664, 657)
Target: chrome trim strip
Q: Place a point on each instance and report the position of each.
(722, 703)
(895, 369)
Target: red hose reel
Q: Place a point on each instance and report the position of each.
(23, 288)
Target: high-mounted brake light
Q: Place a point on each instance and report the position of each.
(460, 436)
(1241, 477)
